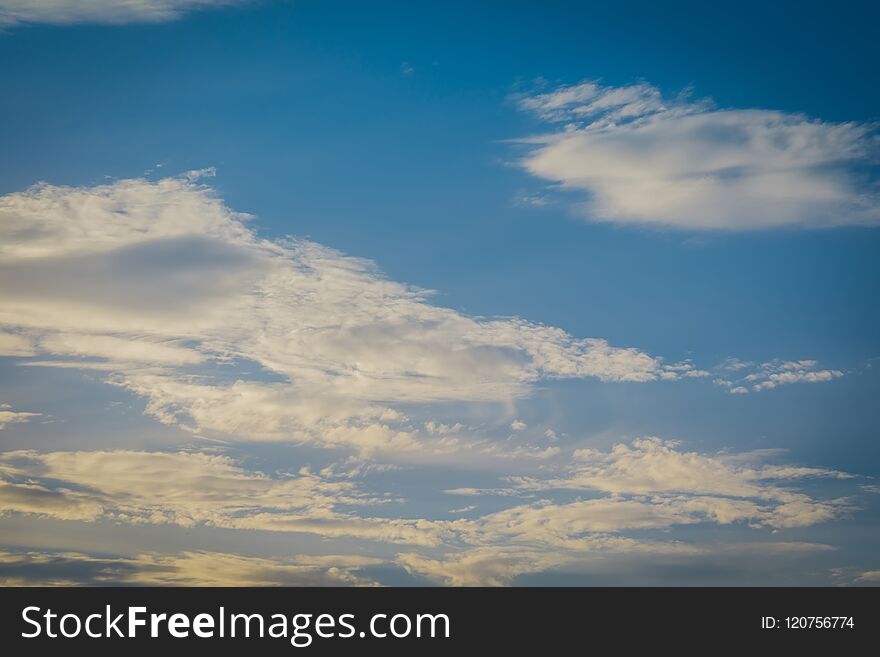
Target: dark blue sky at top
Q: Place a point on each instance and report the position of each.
(314, 127)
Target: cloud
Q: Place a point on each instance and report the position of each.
(732, 364)
(576, 525)
(8, 417)
(640, 158)
(474, 492)
(479, 567)
(778, 373)
(648, 486)
(62, 12)
(162, 290)
(570, 525)
(869, 577)
(198, 489)
(608, 559)
(12, 344)
(652, 465)
(190, 568)
(122, 351)
(775, 373)
(173, 294)
(464, 509)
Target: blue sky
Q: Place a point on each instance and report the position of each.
(694, 186)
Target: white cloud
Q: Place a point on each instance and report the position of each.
(478, 567)
(775, 379)
(642, 159)
(293, 341)
(197, 489)
(567, 525)
(464, 509)
(169, 294)
(651, 483)
(575, 525)
(122, 351)
(651, 465)
(683, 370)
(8, 417)
(775, 373)
(732, 364)
(101, 11)
(869, 576)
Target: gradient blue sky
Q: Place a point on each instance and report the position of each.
(394, 132)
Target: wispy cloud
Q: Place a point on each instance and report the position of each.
(198, 489)
(648, 485)
(8, 416)
(641, 158)
(190, 568)
(61, 12)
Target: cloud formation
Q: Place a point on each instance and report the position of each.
(640, 158)
(773, 374)
(160, 289)
(62, 12)
(677, 487)
(648, 485)
(170, 292)
(484, 566)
